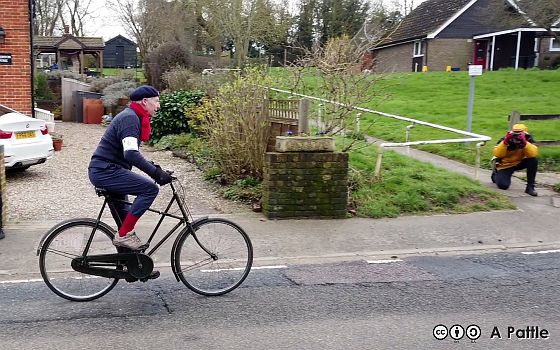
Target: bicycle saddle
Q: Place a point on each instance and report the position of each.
(103, 192)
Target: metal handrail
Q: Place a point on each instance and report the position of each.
(470, 137)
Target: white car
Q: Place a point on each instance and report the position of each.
(26, 141)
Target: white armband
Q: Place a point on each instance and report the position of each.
(130, 144)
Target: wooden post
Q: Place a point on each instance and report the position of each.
(303, 116)
(514, 118)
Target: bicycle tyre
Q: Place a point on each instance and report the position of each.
(213, 277)
(55, 263)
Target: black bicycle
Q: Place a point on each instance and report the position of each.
(78, 261)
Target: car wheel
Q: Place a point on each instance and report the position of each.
(19, 170)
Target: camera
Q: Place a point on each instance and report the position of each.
(516, 139)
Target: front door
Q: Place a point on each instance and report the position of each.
(120, 57)
(480, 53)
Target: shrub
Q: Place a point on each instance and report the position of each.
(248, 190)
(99, 84)
(173, 115)
(42, 91)
(164, 58)
(112, 93)
(181, 79)
(235, 127)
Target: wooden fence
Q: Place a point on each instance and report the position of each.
(516, 117)
(285, 116)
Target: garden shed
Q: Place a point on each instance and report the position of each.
(120, 52)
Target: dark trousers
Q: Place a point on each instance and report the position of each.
(503, 176)
(122, 182)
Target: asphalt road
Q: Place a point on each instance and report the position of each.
(353, 305)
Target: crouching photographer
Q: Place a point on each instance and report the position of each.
(516, 151)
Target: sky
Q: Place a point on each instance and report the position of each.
(105, 23)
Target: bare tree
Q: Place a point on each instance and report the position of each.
(75, 13)
(338, 81)
(405, 6)
(153, 22)
(380, 23)
(47, 16)
(243, 22)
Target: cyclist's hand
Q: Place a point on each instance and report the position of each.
(162, 177)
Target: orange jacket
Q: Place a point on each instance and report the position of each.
(512, 158)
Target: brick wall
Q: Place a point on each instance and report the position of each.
(547, 58)
(15, 79)
(449, 52)
(305, 184)
(394, 59)
(440, 54)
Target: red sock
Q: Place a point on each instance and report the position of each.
(128, 224)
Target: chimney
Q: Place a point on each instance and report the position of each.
(66, 29)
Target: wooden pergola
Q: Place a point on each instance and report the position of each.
(68, 47)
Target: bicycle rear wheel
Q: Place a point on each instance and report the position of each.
(215, 259)
(67, 242)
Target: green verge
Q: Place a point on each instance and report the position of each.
(442, 98)
(407, 186)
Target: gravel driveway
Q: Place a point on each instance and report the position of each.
(60, 188)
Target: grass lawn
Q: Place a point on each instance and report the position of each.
(408, 186)
(442, 98)
(138, 73)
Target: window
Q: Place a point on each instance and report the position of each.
(554, 44)
(418, 48)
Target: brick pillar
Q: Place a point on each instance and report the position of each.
(305, 185)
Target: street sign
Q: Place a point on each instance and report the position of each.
(5, 58)
(475, 69)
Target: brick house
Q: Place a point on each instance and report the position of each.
(15, 56)
(455, 33)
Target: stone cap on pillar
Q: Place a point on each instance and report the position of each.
(304, 144)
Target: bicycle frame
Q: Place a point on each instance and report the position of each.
(184, 220)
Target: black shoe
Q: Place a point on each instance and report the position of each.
(2, 235)
(152, 276)
(530, 190)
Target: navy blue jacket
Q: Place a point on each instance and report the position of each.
(110, 149)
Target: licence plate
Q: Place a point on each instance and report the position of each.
(25, 135)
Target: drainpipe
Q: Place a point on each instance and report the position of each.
(31, 6)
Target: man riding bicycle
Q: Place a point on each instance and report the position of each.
(117, 152)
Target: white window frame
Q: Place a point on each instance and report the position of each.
(417, 49)
(552, 42)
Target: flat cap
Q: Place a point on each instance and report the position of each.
(144, 91)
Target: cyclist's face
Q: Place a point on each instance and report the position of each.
(151, 105)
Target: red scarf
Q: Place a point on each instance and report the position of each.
(144, 121)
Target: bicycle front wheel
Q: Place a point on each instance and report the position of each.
(67, 242)
(215, 258)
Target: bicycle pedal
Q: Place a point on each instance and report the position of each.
(152, 276)
(131, 279)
